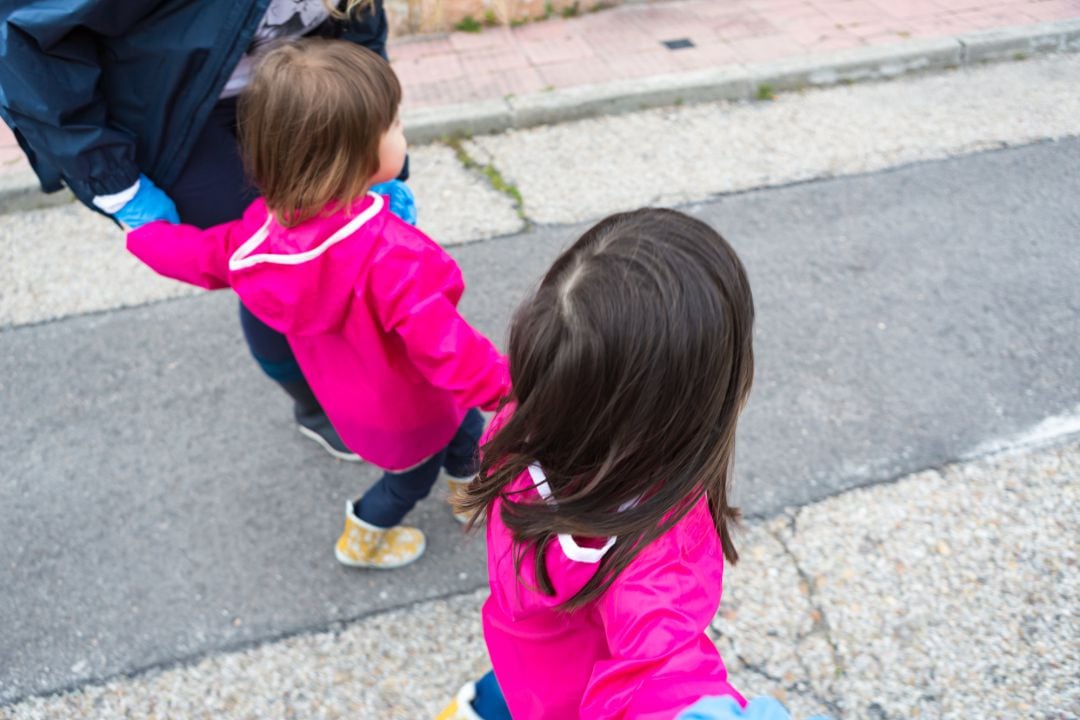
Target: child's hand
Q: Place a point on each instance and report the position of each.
(149, 204)
(727, 708)
(402, 200)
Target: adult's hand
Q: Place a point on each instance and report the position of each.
(149, 203)
(402, 200)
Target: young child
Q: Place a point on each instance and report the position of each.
(605, 479)
(366, 301)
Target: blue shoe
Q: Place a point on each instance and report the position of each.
(317, 427)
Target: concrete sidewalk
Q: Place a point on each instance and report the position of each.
(952, 593)
(651, 54)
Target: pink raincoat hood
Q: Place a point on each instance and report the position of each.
(298, 280)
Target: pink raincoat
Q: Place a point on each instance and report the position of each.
(640, 651)
(368, 304)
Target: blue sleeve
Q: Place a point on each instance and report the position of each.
(726, 708)
(50, 88)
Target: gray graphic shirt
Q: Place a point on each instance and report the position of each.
(283, 19)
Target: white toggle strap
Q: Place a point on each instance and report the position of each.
(569, 546)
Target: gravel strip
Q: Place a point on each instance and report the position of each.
(400, 664)
(948, 594)
(456, 205)
(587, 169)
(952, 594)
(68, 260)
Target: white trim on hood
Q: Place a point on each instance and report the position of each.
(240, 259)
(570, 548)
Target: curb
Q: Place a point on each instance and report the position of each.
(20, 191)
(741, 82)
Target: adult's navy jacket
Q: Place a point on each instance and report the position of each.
(98, 91)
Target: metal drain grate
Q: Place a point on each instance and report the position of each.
(678, 43)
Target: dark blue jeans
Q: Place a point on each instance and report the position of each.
(490, 703)
(391, 498)
(212, 189)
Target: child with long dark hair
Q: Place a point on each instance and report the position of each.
(605, 481)
(367, 302)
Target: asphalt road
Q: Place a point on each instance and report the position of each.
(158, 503)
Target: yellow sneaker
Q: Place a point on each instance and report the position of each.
(457, 485)
(364, 545)
(460, 708)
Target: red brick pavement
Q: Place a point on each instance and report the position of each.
(628, 42)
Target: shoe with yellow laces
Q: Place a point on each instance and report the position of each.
(364, 545)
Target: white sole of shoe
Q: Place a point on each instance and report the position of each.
(347, 457)
(349, 562)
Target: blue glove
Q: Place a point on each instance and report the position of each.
(727, 708)
(149, 204)
(402, 201)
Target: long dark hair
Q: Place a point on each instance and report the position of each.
(630, 365)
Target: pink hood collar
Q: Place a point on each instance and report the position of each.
(299, 280)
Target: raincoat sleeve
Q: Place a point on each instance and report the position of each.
(190, 254)
(415, 297)
(654, 617)
(50, 88)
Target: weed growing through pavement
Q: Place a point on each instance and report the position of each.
(491, 19)
(468, 24)
(765, 91)
(494, 177)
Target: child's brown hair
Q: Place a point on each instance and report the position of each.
(310, 123)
